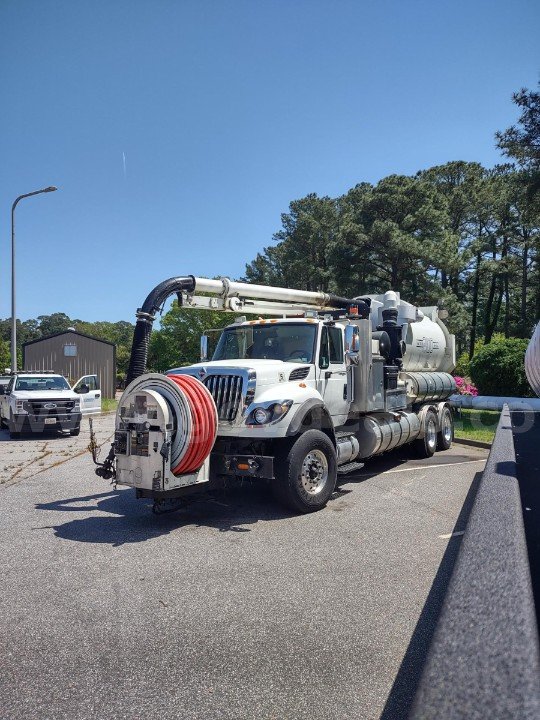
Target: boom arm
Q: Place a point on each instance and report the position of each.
(226, 296)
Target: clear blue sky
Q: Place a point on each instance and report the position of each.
(225, 111)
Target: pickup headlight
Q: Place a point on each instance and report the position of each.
(267, 413)
(20, 406)
(77, 404)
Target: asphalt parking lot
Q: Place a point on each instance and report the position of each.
(229, 608)
(32, 454)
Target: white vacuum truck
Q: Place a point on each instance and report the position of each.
(294, 400)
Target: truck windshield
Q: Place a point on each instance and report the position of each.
(42, 383)
(290, 342)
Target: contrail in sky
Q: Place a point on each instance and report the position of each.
(124, 161)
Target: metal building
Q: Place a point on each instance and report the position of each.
(74, 354)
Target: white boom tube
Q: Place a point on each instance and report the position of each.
(228, 288)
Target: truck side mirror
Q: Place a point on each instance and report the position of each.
(352, 344)
(204, 348)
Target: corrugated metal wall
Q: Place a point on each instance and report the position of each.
(532, 361)
(93, 358)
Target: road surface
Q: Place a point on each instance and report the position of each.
(230, 608)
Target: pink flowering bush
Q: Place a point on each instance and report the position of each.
(465, 388)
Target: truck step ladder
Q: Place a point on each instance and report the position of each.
(349, 468)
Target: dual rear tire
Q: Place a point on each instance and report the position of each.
(438, 434)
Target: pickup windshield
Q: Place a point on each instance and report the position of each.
(290, 342)
(42, 383)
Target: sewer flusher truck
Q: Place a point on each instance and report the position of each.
(296, 399)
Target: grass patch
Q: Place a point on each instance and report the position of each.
(108, 404)
(476, 424)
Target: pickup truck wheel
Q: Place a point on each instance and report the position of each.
(446, 433)
(306, 476)
(13, 432)
(425, 446)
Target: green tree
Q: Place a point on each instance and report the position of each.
(5, 356)
(177, 342)
(304, 245)
(55, 323)
(522, 140)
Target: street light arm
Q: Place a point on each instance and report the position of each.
(36, 192)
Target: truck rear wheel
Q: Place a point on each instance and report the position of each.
(425, 446)
(306, 476)
(445, 435)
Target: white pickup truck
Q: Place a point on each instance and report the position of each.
(39, 401)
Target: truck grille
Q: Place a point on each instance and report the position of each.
(227, 393)
(61, 407)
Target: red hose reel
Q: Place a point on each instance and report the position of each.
(204, 424)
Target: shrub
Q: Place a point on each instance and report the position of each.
(498, 369)
(463, 363)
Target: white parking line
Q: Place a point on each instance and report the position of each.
(420, 467)
(451, 535)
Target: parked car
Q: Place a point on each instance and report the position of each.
(39, 401)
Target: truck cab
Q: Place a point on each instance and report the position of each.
(299, 360)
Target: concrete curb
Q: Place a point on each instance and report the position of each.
(473, 443)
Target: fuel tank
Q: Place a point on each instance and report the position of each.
(378, 433)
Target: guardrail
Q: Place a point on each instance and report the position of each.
(484, 659)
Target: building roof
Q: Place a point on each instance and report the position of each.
(67, 332)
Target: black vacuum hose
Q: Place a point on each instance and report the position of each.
(145, 319)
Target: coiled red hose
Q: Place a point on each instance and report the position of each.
(203, 426)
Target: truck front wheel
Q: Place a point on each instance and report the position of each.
(306, 476)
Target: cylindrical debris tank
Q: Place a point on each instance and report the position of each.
(425, 346)
(532, 361)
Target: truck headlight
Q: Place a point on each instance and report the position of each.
(269, 412)
(262, 416)
(77, 404)
(20, 406)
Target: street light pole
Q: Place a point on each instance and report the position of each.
(13, 311)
